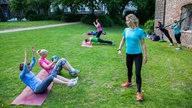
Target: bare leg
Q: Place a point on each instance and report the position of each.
(62, 78)
(179, 45)
(68, 67)
(70, 84)
(56, 80)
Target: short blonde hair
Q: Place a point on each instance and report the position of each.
(133, 19)
(41, 51)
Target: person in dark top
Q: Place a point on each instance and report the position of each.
(165, 31)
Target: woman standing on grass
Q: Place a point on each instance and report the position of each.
(37, 85)
(49, 66)
(97, 24)
(177, 33)
(133, 36)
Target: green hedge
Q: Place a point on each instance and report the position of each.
(118, 20)
(149, 25)
(33, 16)
(71, 17)
(106, 21)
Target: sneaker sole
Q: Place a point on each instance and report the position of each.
(127, 86)
(74, 74)
(140, 100)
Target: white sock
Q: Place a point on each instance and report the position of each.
(72, 69)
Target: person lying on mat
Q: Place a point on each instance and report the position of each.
(92, 32)
(92, 39)
(49, 66)
(37, 85)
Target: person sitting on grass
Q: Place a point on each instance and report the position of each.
(49, 66)
(92, 39)
(40, 86)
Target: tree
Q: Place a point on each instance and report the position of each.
(145, 8)
(41, 6)
(73, 4)
(115, 7)
(19, 7)
(92, 4)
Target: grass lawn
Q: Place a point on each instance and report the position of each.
(167, 77)
(12, 25)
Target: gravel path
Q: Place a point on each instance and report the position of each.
(38, 27)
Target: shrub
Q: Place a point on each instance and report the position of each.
(71, 17)
(149, 25)
(57, 15)
(33, 17)
(31, 14)
(106, 21)
(118, 20)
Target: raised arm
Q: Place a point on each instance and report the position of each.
(22, 74)
(26, 58)
(33, 61)
(96, 24)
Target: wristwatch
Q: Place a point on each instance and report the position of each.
(119, 50)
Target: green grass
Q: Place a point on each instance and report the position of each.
(12, 25)
(167, 77)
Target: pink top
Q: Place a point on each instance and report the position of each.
(41, 60)
(99, 28)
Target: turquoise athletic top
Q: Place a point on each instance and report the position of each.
(29, 78)
(175, 27)
(132, 40)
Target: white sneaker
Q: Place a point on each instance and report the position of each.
(74, 79)
(74, 72)
(179, 48)
(72, 83)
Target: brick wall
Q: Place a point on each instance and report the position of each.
(169, 10)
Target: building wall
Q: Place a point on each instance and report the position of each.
(167, 11)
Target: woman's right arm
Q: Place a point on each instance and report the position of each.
(121, 45)
(48, 66)
(22, 74)
(96, 25)
(33, 61)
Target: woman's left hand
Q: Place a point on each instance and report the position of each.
(145, 59)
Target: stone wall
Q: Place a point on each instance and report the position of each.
(169, 10)
(159, 14)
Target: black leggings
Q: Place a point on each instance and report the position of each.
(168, 36)
(104, 41)
(99, 34)
(177, 37)
(137, 58)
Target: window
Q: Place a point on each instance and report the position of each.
(187, 16)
